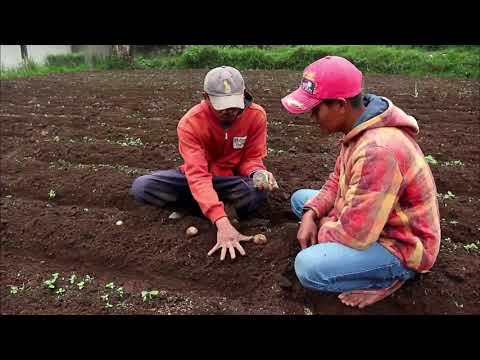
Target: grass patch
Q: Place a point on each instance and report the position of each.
(461, 62)
(416, 60)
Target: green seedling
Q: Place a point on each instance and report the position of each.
(72, 279)
(88, 139)
(51, 194)
(60, 291)
(119, 291)
(50, 283)
(110, 285)
(449, 195)
(431, 160)
(108, 305)
(81, 285)
(453, 163)
(131, 142)
(104, 297)
(88, 278)
(472, 247)
(149, 295)
(14, 289)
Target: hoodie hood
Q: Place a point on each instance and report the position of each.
(380, 112)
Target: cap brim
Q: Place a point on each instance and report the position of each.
(299, 102)
(230, 101)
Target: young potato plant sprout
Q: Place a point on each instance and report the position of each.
(449, 195)
(453, 163)
(431, 160)
(119, 291)
(51, 194)
(473, 247)
(131, 142)
(149, 295)
(72, 279)
(81, 284)
(15, 289)
(60, 291)
(50, 283)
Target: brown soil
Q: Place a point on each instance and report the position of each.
(62, 132)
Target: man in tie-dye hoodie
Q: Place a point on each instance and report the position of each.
(375, 222)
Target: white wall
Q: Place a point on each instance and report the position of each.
(38, 53)
(89, 50)
(10, 56)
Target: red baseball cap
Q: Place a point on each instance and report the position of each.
(331, 77)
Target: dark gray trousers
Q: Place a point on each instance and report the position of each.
(170, 187)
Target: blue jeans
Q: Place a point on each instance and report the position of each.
(333, 267)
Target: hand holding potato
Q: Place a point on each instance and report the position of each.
(264, 180)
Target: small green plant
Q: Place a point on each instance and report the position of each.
(81, 285)
(131, 142)
(51, 194)
(149, 295)
(87, 139)
(473, 247)
(72, 279)
(104, 297)
(108, 305)
(449, 195)
(110, 285)
(453, 163)
(431, 160)
(88, 278)
(119, 291)
(60, 291)
(50, 283)
(15, 289)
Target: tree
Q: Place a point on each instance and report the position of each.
(124, 51)
(24, 52)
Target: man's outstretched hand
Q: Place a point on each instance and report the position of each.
(228, 238)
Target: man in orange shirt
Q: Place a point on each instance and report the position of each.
(223, 141)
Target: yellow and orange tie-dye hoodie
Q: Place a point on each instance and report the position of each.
(382, 190)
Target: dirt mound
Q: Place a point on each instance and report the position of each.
(87, 136)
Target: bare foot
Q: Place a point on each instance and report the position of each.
(362, 298)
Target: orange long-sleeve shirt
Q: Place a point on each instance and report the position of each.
(210, 150)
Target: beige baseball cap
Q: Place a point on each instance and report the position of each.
(225, 88)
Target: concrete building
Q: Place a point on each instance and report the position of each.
(11, 57)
